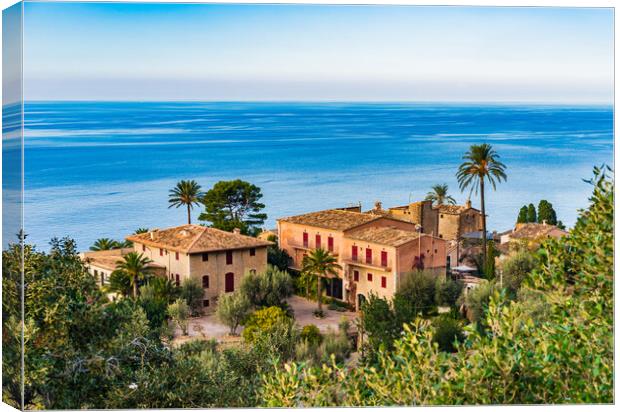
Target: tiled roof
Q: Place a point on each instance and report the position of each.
(535, 230)
(107, 259)
(196, 239)
(332, 219)
(389, 236)
(451, 209)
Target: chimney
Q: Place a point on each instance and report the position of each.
(544, 223)
(152, 235)
(378, 205)
(237, 231)
(468, 204)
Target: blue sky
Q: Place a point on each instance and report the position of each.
(138, 51)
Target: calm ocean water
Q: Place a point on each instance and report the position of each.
(102, 169)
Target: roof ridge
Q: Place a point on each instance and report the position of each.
(204, 229)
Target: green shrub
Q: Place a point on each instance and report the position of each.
(447, 331)
(264, 320)
(179, 312)
(232, 310)
(311, 334)
(192, 292)
(268, 288)
(448, 292)
(516, 268)
(418, 287)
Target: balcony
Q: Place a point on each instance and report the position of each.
(307, 248)
(362, 263)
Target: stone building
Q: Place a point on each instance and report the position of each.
(215, 258)
(374, 251)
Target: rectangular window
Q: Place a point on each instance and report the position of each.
(354, 253)
(330, 244)
(370, 277)
(305, 239)
(205, 257)
(143, 248)
(161, 252)
(368, 256)
(383, 282)
(205, 303)
(384, 258)
(178, 280)
(356, 276)
(252, 252)
(317, 241)
(176, 255)
(205, 281)
(229, 257)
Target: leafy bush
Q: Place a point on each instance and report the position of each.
(232, 310)
(179, 312)
(447, 292)
(477, 300)
(264, 320)
(269, 288)
(565, 356)
(418, 287)
(192, 293)
(311, 334)
(447, 331)
(278, 258)
(516, 268)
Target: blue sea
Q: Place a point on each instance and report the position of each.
(103, 169)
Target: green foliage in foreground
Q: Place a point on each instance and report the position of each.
(563, 355)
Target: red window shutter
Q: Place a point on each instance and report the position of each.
(176, 255)
(143, 248)
(178, 280)
(229, 257)
(383, 281)
(161, 252)
(305, 239)
(370, 277)
(384, 258)
(229, 282)
(317, 241)
(330, 244)
(356, 275)
(354, 253)
(368, 255)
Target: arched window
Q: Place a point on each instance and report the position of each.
(229, 282)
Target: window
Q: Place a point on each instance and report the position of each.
(435, 250)
(205, 303)
(317, 241)
(368, 255)
(229, 282)
(143, 248)
(370, 277)
(330, 244)
(176, 255)
(161, 252)
(252, 271)
(178, 280)
(441, 216)
(383, 282)
(384, 258)
(356, 275)
(354, 253)
(252, 252)
(229, 255)
(205, 281)
(305, 239)
(205, 257)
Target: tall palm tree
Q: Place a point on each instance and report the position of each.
(439, 195)
(321, 264)
(186, 192)
(481, 163)
(104, 243)
(134, 266)
(141, 230)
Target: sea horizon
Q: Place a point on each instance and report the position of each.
(118, 159)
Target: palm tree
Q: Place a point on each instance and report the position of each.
(104, 243)
(321, 264)
(134, 266)
(141, 230)
(481, 163)
(439, 195)
(186, 192)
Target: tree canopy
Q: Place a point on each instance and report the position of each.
(234, 204)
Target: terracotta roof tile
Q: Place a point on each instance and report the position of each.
(107, 259)
(196, 239)
(535, 230)
(389, 236)
(332, 219)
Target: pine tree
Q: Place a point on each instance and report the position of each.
(522, 218)
(546, 213)
(531, 213)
